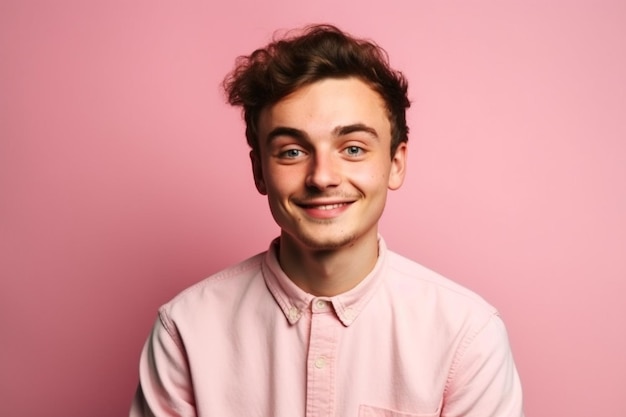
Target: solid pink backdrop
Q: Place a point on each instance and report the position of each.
(124, 178)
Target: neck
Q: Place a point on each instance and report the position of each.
(328, 272)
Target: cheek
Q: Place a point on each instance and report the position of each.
(282, 181)
(373, 177)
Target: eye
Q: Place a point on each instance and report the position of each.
(291, 153)
(354, 151)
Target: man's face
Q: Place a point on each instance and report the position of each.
(324, 163)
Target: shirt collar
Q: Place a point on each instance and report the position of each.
(294, 302)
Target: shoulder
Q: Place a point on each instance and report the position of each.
(218, 291)
(419, 285)
(450, 315)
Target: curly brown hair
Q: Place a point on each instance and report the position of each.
(308, 55)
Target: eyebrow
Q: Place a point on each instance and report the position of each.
(356, 127)
(285, 131)
(337, 131)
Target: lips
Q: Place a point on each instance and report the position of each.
(323, 205)
(329, 206)
(324, 210)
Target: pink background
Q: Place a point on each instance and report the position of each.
(124, 178)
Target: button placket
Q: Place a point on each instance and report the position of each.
(321, 371)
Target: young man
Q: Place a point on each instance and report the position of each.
(328, 321)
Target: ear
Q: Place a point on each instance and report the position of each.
(398, 167)
(257, 172)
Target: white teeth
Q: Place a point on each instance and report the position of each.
(329, 206)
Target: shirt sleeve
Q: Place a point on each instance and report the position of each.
(484, 381)
(165, 387)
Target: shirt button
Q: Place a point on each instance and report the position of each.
(293, 313)
(320, 362)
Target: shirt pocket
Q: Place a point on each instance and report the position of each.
(370, 411)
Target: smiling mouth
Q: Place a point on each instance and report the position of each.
(325, 211)
(328, 206)
(323, 205)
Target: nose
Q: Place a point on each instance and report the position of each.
(323, 172)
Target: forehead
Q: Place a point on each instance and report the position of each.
(322, 106)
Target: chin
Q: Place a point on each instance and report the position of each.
(329, 243)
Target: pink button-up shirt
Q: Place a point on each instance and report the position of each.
(405, 342)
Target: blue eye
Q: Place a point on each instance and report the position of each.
(354, 150)
(291, 153)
